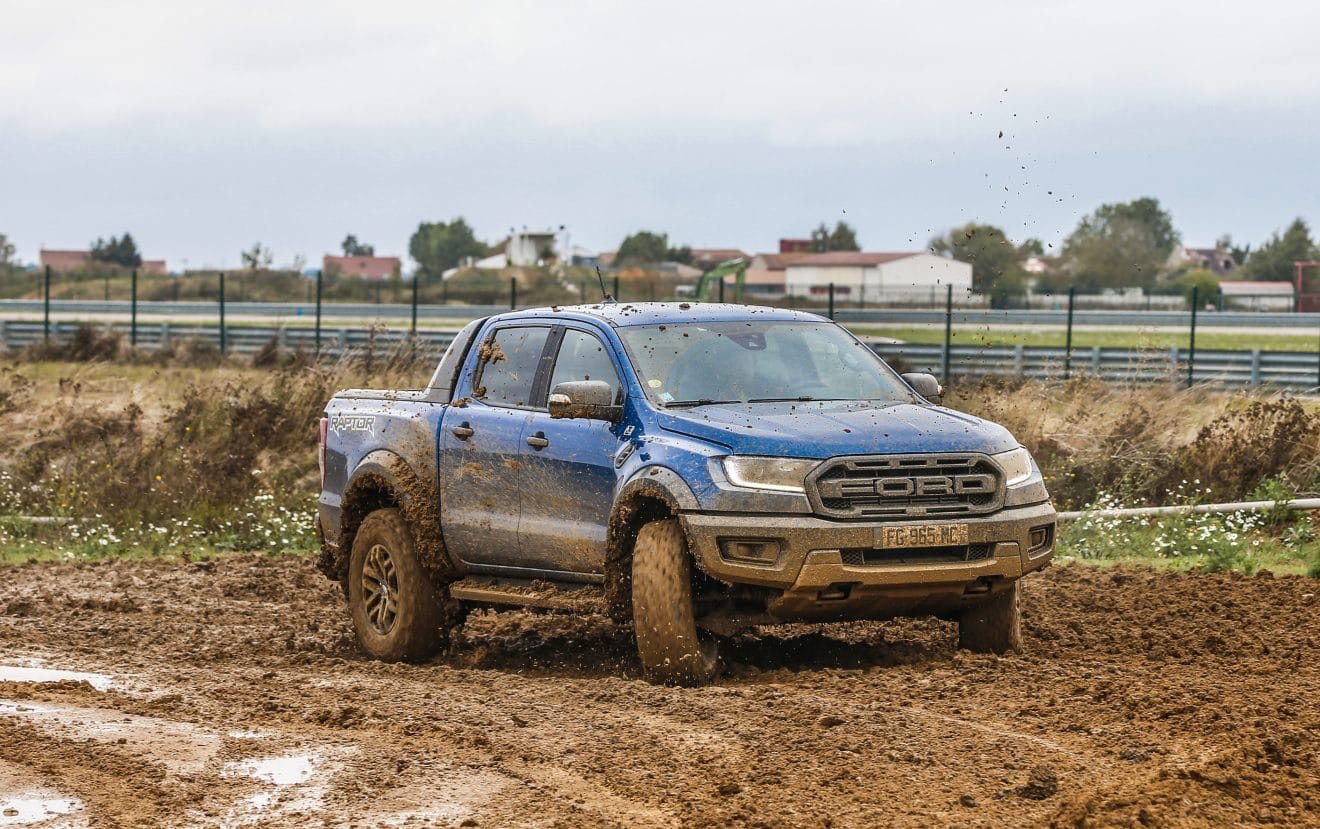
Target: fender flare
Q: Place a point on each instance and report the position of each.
(384, 478)
(659, 482)
(632, 507)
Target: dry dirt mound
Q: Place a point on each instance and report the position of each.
(230, 692)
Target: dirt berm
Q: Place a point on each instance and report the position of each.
(229, 692)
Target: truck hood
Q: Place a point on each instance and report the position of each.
(829, 428)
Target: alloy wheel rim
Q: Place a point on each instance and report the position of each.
(380, 589)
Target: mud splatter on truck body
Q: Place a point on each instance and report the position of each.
(807, 480)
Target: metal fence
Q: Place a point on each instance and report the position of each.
(275, 311)
(1291, 370)
(1299, 371)
(335, 342)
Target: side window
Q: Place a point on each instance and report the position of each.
(507, 366)
(583, 357)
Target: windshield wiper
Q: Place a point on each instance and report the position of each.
(705, 401)
(801, 398)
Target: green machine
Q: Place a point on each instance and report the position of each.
(715, 276)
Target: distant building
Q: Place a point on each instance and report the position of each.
(1257, 296)
(366, 267)
(1217, 260)
(1041, 265)
(795, 246)
(876, 277)
(72, 260)
(527, 248)
(767, 273)
(64, 260)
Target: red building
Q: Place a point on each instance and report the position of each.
(367, 267)
(71, 260)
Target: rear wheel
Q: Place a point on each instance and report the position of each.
(993, 626)
(398, 613)
(671, 648)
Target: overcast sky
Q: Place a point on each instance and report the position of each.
(205, 126)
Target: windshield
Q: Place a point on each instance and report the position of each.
(757, 362)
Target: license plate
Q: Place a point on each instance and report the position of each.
(923, 535)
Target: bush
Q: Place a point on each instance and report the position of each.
(1139, 443)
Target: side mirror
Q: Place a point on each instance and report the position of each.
(925, 385)
(590, 399)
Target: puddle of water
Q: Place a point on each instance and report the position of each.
(32, 808)
(294, 784)
(25, 673)
(289, 770)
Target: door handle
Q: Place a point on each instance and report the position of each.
(539, 440)
(463, 431)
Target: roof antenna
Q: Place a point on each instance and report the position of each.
(606, 297)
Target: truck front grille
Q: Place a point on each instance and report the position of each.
(880, 487)
(876, 557)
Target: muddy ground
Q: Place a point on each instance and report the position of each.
(230, 692)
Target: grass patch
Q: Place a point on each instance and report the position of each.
(274, 528)
(1280, 540)
(176, 459)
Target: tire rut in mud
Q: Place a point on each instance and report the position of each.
(1140, 697)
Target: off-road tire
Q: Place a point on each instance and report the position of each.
(994, 625)
(415, 621)
(672, 649)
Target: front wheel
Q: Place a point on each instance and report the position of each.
(398, 613)
(993, 626)
(671, 648)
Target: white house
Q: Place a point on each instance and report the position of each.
(877, 277)
(1257, 296)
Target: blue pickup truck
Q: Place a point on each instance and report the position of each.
(694, 469)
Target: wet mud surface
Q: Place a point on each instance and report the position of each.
(231, 693)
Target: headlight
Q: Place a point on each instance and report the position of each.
(1016, 464)
(777, 474)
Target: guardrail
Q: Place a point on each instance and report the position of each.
(892, 316)
(336, 341)
(1228, 368)
(273, 310)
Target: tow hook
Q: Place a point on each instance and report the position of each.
(981, 585)
(836, 592)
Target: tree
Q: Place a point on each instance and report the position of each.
(7, 251)
(1031, 247)
(682, 255)
(1204, 281)
(1273, 260)
(438, 246)
(116, 251)
(352, 247)
(1120, 245)
(641, 248)
(257, 258)
(993, 258)
(843, 237)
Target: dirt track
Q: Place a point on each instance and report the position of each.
(233, 694)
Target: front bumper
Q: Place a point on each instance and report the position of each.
(809, 579)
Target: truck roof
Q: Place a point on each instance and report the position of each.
(623, 314)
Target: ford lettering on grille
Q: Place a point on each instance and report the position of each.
(905, 486)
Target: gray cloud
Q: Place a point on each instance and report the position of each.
(203, 126)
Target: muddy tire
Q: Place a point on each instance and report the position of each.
(993, 626)
(672, 650)
(398, 613)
